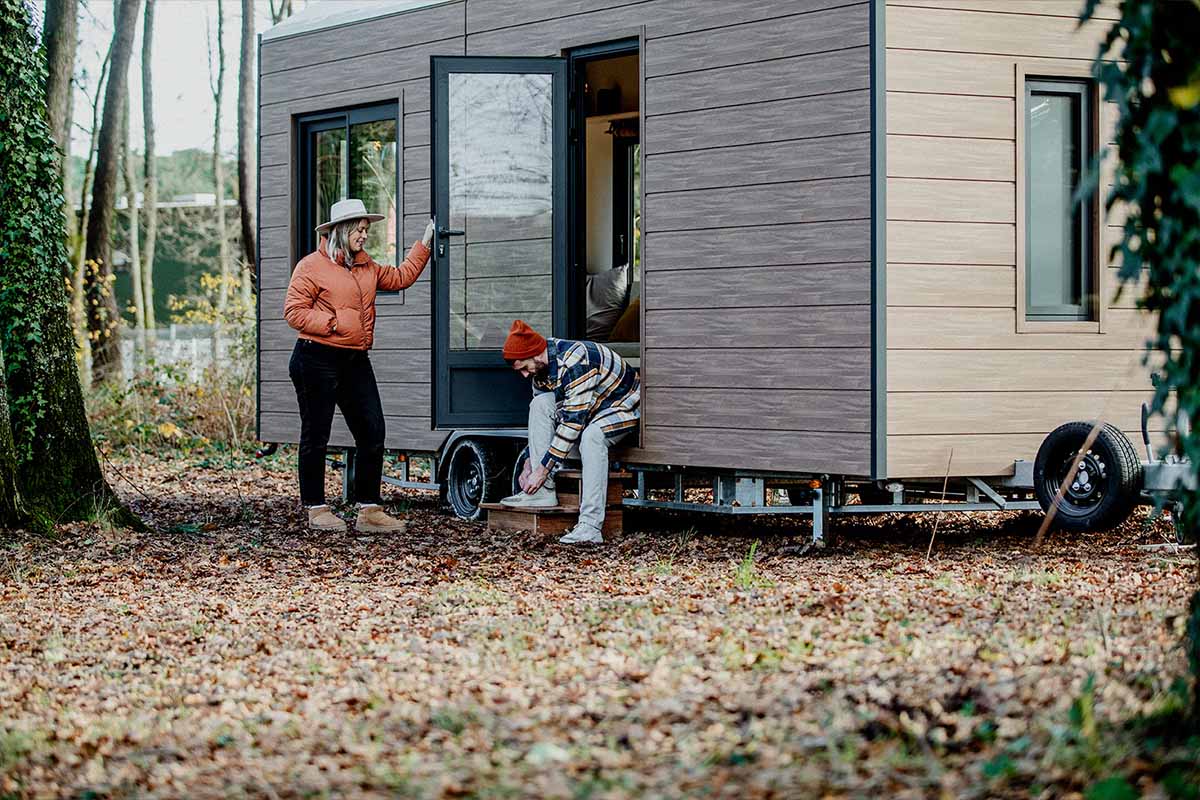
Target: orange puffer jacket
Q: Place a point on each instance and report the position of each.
(333, 305)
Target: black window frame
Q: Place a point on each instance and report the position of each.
(307, 125)
(1084, 218)
(624, 154)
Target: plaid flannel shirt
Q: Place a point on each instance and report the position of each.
(591, 384)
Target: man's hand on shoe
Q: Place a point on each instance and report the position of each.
(537, 477)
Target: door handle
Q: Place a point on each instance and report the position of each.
(443, 234)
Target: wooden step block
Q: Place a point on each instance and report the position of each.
(616, 493)
(555, 521)
(577, 474)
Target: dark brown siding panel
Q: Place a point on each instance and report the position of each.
(800, 76)
(771, 162)
(756, 283)
(790, 286)
(816, 243)
(774, 121)
(750, 448)
(778, 368)
(404, 433)
(388, 33)
(832, 29)
(831, 199)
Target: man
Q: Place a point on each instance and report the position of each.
(585, 396)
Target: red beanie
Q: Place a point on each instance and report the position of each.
(523, 342)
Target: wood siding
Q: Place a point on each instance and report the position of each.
(959, 374)
(756, 295)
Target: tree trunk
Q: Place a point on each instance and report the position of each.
(283, 12)
(58, 474)
(62, 24)
(103, 318)
(247, 160)
(11, 507)
(150, 192)
(135, 261)
(218, 90)
(78, 316)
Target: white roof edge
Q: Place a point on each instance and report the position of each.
(330, 14)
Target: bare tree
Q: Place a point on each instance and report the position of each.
(135, 262)
(217, 83)
(78, 319)
(247, 161)
(103, 317)
(61, 39)
(150, 192)
(283, 12)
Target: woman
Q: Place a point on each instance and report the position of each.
(331, 302)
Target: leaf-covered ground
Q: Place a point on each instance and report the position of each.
(227, 653)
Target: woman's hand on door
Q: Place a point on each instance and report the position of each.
(427, 237)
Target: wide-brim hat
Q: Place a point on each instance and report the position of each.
(345, 210)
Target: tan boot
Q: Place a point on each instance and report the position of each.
(321, 518)
(373, 519)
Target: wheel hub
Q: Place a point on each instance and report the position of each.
(1087, 487)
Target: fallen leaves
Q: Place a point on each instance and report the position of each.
(230, 652)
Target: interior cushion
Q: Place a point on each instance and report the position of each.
(606, 296)
(628, 327)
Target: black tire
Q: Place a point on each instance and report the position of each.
(475, 475)
(871, 495)
(518, 465)
(1107, 486)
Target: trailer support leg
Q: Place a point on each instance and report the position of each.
(820, 505)
(348, 475)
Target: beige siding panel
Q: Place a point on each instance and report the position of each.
(1013, 370)
(995, 329)
(1002, 34)
(1046, 8)
(768, 409)
(938, 72)
(975, 455)
(950, 115)
(945, 157)
(951, 243)
(951, 201)
(1009, 412)
(937, 285)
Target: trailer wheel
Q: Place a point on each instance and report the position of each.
(1105, 489)
(522, 457)
(474, 476)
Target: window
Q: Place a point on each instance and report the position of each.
(350, 153)
(1060, 228)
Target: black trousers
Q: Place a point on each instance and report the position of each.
(326, 377)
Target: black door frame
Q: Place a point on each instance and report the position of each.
(443, 418)
(577, 58)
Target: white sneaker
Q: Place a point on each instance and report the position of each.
(582, 534)
(542, 498)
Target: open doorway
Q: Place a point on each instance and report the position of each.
(606, 197)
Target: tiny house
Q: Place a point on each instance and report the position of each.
(837, 238)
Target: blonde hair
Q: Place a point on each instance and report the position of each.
(339, 240)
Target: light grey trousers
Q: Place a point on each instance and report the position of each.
(592, 450)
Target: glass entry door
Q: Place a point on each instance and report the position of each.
(499, 197)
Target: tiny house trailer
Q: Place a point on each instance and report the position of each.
(837, 238)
